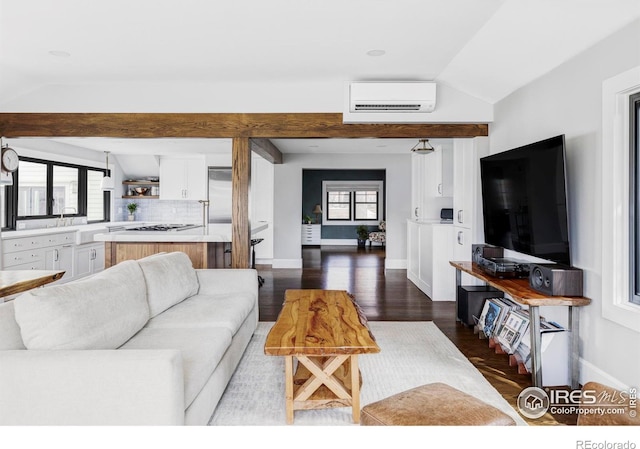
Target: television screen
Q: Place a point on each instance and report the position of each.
(524, 200)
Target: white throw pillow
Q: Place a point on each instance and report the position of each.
(170, 279)
(99, 312)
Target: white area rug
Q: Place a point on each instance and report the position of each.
(411, 354)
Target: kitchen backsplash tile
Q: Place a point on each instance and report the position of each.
(160, 211)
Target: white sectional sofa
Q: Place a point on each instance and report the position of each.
(146, 342)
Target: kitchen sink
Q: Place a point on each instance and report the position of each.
(86, 235)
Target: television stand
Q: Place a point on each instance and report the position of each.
(520, 291)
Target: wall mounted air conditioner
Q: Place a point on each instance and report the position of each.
(392, 97)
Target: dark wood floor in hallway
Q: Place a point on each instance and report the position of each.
(391, 296)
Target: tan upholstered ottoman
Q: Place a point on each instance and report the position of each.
(434, 404)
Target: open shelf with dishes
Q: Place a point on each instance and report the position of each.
(142, 189)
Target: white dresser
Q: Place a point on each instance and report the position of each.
(311, 234)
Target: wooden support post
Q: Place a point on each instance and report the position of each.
(241, 181)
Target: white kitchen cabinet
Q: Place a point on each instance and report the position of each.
(183, 178)
(60, 258)
(467, 198)
(467, 194)
(89, 259)
(429, 250)
(439, 172)
(418, 181)
(431, 183)
(413, 251)
(464, 164)
(41, 252)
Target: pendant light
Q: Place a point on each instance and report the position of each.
(424, 149)
(107, 181)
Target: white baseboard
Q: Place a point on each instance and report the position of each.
(286, 263)
(395, 264)
(339, 242)
(591, 373)
(264, 261)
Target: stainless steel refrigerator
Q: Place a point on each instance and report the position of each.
(219, 194)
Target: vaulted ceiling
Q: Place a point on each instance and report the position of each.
(484, 48)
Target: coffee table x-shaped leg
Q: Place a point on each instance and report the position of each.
(322, 371)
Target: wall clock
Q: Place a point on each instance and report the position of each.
(10, 160)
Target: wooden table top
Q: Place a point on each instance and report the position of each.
(317, 323)
(519, 289)
(18, 281)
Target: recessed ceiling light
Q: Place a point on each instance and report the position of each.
(376, 52)
(60, 53)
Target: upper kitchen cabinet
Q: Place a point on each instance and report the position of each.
(439, 166)
(432, 182)
(183, 178)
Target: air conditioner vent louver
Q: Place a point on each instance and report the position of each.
(387, 107)
(410, 96)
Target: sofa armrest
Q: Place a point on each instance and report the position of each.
(227, 280)
(91, 387)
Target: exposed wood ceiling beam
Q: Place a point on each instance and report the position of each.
(266, 149)
(277, 125)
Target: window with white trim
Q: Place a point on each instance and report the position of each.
(352, 202)
(634, 192)
(619, 199)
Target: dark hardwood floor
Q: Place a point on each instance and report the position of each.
(391, 296)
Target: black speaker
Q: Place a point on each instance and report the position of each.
(482, 250)
(471, 299)
(555, 279)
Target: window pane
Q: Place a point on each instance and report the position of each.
(338, 211)
(95, 196)
(366, 205)
(339, 197)
(366, 211)
(32, 190)
(339, 206)
(65, 190)
(366, 197)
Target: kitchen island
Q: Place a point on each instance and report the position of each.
(208, 247)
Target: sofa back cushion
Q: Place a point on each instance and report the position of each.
(99, 312)
(170, 279)
(10, 337)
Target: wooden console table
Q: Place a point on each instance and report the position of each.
(520, 291)
(18, 281)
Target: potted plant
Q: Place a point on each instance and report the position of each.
(308, 219)
(132, 207)
(363, 235)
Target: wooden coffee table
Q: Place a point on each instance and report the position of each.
(324, 332)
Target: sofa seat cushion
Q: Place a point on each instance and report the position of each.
(227, 310)
(99, 312)
(170, 279)
(201, 349)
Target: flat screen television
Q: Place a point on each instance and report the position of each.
(524, 200)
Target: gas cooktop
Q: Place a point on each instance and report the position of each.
(165, 227)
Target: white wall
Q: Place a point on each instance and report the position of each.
(288, 201)
(568, 101)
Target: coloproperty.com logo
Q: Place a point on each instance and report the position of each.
(534, 402)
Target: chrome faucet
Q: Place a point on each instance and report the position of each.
(64, 220)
